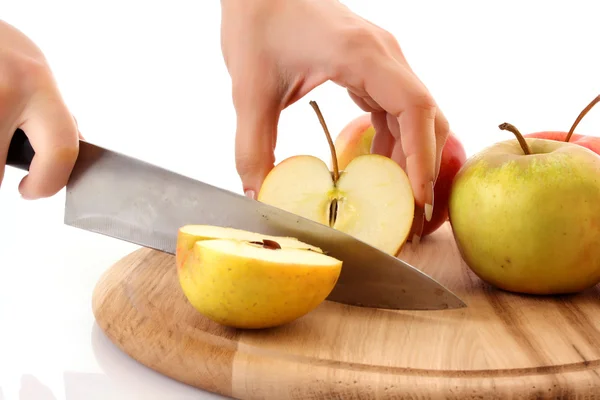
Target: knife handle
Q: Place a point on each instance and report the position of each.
(20, 151)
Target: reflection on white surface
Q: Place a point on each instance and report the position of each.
(123, 378)
(33, 389)
(50, 346)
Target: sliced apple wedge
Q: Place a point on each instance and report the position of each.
(371, 199)
(253, 281)
(188, 235)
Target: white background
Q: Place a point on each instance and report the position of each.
(147, 78)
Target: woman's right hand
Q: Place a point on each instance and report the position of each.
(277, 51)
(30, 100)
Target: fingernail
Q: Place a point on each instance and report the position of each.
(251, 194)
(429, 206)
(428, 212)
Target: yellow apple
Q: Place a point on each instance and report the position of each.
(248, 280)
(371, 199)
(526, 215)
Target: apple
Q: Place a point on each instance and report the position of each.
(525, 215)
(355, 139)
(591, 142)
(371, 199)
(247, 280)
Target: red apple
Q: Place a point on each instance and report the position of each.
(355, 139)
(590, 142)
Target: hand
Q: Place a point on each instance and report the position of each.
(30, 100)
(277, 51)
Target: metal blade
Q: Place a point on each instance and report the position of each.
(125, 198)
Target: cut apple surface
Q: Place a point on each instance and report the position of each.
(372, 199)
(356, 138)
(188, 235)
(244, 279)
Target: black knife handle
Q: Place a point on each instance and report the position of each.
(20, 152)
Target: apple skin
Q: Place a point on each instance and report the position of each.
(530, 223)
(590, 142)
(355, 139)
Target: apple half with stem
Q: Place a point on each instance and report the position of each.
(248, 280)
(356, 138)
(371, 199)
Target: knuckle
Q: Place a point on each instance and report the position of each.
(442, 128)
(248, 163)
(362, 48)
(33, 74)
(389, 39)
(357, 38)
(252, 167)
(425, 104)
(358, 43)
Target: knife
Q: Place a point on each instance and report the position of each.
(128, 199)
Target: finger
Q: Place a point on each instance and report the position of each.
(5, 138)
(403, 96)
(255, 138)
(397, 153)
(365, 104)
(383, 141)
(442, 130)
(419, 148)
(400, 158)
(52, 133)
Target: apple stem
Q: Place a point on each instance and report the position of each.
(336, 172)
(511, 128)
(581, 115)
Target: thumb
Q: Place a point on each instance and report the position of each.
(255, 139)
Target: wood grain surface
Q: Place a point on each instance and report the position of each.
(502, 346)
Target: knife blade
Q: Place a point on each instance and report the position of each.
(125, 198)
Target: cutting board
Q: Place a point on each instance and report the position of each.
(502, 346)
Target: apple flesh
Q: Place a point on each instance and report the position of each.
(530, 223)
(356, 138)
(188, 235)
(372, 200)
(248, 280)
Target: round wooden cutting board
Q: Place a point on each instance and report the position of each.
(502, 346)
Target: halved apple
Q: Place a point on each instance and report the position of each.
(371, 199)
(248, 280)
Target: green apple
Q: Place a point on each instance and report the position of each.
(525, 214)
